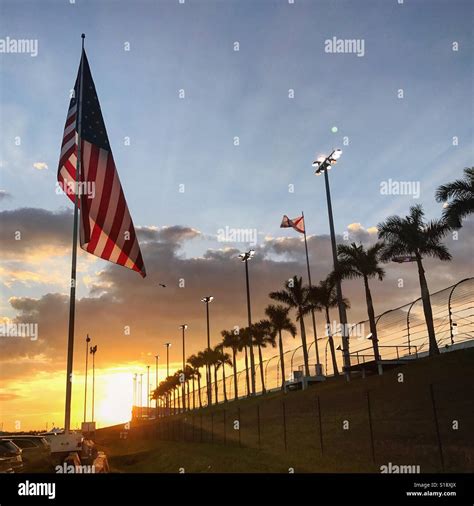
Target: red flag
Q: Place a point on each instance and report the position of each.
(107, 229)
(296, 223)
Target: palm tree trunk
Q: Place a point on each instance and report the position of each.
(247, 371)
(425, 297)
(305, 349)
(236, 393)
(260, 358)
(199, 390)
(194, 396)
(216, 388)
(282, 362)
(371, 314)
(331, 344)
(223, 383)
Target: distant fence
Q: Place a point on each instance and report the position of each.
(421, 424)
(401, 332)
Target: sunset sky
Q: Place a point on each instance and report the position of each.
(143, 56)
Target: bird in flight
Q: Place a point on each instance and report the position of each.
(162, 285)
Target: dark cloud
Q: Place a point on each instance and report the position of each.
(4, 195)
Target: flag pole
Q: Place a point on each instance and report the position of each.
(72, 296)
(318, 364)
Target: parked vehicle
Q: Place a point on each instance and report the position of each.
(36, 452)
(11, 455)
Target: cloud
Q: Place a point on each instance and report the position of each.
(4, 195)
(358, 233)
(40, 165)
(130, 317)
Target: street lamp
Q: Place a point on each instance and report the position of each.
(207, 300)
(323, 164)
(93, 350)
(147, 391)
(183, 386)
(167, 359)
(157, 357)
(245, 257)
(88, 340)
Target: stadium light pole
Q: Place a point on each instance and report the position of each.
(157, 358)
(140, 395)
(88, 340)
(183, 386)
(147, 391)
(323, 164)
(167, 372)
(245, 257)
(207, 300)
(93, 351)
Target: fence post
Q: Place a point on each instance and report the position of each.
(284, 424)
(320, 426)
(369, 412)
(438, 435)
(258, 424)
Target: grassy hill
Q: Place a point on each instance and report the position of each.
(402, 418)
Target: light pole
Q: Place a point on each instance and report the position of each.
(140, 395)
(147, 391)
(183, 386)
(93, 351)
(206, 301)
(134, 404)
(323, 164)
(88, 340)
(245, 257)
(167, 371)
(157, 358)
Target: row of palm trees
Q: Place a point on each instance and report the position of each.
(407, 239)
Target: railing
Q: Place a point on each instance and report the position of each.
(402, 334)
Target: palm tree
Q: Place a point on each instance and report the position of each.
(209, 357)
(200, 363)
(193, 364)
(413, 236)
(355, 261)
(245, 340)
(263, 334)
(231, 340)
(188, 376)
(223, 359)
(278, 317)
(323, 297)
(459, 198)
(295, 296)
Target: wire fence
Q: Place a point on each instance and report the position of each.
(402, 334)
(420, 424)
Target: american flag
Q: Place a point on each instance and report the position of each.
(296, 223)
(106, 228)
